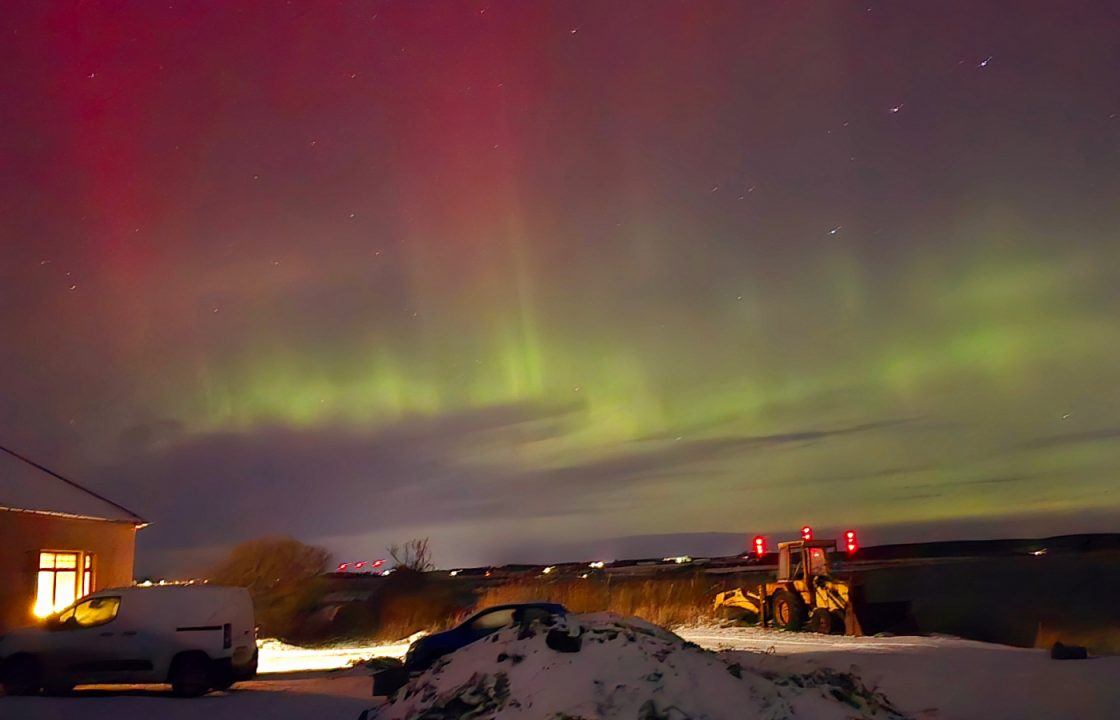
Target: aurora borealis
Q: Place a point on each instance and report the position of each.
(521, 276)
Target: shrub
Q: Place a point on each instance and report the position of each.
(283, 578)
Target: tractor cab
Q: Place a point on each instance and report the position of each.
(804, 559)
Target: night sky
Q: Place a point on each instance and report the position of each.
(526, 277)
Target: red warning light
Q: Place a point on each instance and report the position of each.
(851, 542)
(359, 565)
(759, 546)
(806, 533)
(342, 567)
(377, 563)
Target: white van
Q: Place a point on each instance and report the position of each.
(196, 637)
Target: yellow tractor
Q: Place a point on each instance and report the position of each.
(805, 595)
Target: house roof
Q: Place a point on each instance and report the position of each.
(27, 486)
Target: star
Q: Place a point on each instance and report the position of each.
(985, 61)
(835, 230)
(897, 108)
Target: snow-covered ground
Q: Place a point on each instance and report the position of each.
(339, 695)
(279, 657)
(930, 678)
(941, 677)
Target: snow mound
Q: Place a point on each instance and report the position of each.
(620, 668)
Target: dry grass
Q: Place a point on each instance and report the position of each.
(413, 602)
(666, 602)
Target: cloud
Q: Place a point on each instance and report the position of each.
(998, 480)
(1075, 438)
(215, 487)
(660, 457)
(218, 488)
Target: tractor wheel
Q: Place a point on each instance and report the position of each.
(838, 622)
(820, 621)
(788, 612)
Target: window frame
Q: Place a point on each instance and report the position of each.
(82, 568)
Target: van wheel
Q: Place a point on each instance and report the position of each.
(222, 679)
(190, 675)
(57, 687)
(22, 676)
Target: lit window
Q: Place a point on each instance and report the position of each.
(87, 574)
(59, 581)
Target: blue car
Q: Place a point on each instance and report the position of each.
(425, 651)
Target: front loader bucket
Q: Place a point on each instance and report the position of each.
(867, 618)
(738, 605)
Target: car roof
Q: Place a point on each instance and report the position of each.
(169, 588)
(514, 606)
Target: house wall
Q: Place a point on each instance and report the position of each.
(24, 534)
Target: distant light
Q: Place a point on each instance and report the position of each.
(597, 565)
(548, 570)
(679, 559)
(385, 573)
(806, 533)
(1039, 553)
(453, 573)
(759, 546)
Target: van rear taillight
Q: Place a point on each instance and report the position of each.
(227, 636)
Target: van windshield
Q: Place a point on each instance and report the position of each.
(91, 612)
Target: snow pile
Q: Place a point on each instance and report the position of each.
(620, 668)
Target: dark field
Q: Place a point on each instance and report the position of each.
(994, 592)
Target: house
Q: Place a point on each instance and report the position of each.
(58, 541)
